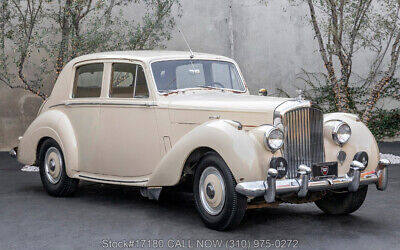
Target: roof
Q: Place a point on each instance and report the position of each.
(147, 55)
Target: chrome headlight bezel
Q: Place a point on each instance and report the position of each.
(268, 134)
(337, 139)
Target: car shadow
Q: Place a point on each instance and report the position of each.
(175, 204)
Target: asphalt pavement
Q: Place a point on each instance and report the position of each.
(115, 217)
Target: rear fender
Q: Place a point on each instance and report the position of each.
(53, 124)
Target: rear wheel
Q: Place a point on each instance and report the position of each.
(52, 170)
(342, 203)
(219, 205)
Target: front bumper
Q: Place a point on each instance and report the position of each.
(272, 188)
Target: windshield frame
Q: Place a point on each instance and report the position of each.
(243, 83)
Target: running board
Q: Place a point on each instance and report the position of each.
(111, 179)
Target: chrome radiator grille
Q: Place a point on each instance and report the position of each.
(303, 128)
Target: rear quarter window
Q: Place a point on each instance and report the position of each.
(88, 80)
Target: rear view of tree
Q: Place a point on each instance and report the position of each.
(58, 30)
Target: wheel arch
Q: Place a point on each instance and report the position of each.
(235, 146)
(52, 124)
(196, 155)
(39, 146)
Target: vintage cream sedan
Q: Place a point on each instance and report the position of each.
(156, 119)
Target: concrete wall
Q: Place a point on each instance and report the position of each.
(271, 44)
(17, 110)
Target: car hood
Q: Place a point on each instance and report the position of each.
(196, 108)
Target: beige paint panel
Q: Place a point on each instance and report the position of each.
(85, 123)
(54, 124)
(216, 100)
(246, 157)
(129, 141)
(164, 127)
(201, 116)
(361, 140)
(183, 121)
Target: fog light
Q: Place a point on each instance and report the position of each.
(280, 164)
(361, 157)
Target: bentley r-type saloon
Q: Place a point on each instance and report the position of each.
(158, 119)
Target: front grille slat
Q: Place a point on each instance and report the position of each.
(303, 129)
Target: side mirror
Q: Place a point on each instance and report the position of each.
(262, 92)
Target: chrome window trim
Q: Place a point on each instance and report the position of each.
(75, 77)
(133, 97)
(243, 83)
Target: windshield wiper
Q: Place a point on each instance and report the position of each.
(207, 87)
(182, 90)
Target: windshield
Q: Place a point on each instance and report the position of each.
(183, 74)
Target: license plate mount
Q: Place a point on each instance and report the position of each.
(324, 170)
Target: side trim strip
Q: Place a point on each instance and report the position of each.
(128, 104)
(56, 105)
(81, 103)
(115, 181)
(103, 103)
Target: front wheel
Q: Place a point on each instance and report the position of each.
(342, 203)
(52, 170)
(219, 205)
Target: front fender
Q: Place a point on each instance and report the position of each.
(241, 150)
(360, 140)
(56, 125)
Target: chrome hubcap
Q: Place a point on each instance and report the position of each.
(212, 190)
(53, 165)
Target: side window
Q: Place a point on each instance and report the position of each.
(128, 80)
(88, 79)
(123, 80)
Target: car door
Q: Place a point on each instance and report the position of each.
(130, 145)
(83, 111)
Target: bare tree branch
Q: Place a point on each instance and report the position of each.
(341, 101)
(382, 84)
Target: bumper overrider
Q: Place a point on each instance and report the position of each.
(13, 152)
(272, 188)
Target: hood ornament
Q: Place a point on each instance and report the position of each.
(300, 94)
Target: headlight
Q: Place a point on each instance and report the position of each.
(341, 133)
(273, 138)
